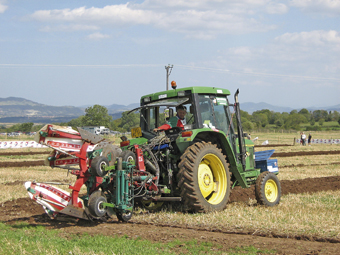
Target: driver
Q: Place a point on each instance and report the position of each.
(176, 121)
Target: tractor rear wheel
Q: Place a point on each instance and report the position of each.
(268, 189)
(204, 179)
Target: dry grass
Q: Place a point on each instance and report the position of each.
(301, 214)
(47, 150)
(307, 160)
(12, 180)
(14, 158)
(41, 173)
(288, 138)
(296, 148)
(295, 173)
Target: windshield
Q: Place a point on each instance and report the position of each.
(215, 113)
(156, 114)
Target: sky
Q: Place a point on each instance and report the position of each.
(281, 52)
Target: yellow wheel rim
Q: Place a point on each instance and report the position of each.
(212, 179)
(271, 191)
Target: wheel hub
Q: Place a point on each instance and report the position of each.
(205, 178)
(271, 191)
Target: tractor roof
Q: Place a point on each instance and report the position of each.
(174, 92)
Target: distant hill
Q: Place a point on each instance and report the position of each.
(42, 120)
(118, 108)
(20, 110)
(333, 108)
(20, 107)
(252, 107)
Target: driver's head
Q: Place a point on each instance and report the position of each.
(181, 111)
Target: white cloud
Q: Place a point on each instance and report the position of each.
(69, 28)
(114, 14)
(321, 6)
(3, 7)
(97, 36)
(195, 18)
(310, 56)
(313, 38)
(276, 8)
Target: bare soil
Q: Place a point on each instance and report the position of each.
(23, 153)
(26, 210)
(22, 163)
(304, 153)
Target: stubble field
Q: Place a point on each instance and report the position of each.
(305, 221)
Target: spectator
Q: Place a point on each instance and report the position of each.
(309, 139)
(303, 138)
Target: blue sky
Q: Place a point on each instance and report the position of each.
(284, 53)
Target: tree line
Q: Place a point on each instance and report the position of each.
(98, 115)
(296, 120)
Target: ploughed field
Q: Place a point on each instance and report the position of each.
(305, 222)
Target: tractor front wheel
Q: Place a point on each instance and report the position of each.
(204, 179)
(268, 189)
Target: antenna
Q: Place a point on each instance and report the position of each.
(168, 69)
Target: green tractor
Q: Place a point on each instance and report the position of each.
(199, 162)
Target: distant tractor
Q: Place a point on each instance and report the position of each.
(196, 163)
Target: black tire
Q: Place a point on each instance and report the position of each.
(98, 165)
(95, 206)
(124, 217)
(268, 189)
(204, 179)
(128, 156)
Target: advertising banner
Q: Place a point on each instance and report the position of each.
(20, 144)
(320, 141)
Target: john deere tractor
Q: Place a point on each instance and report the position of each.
(196, 161)
(200, 162)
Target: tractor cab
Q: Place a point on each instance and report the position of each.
(203, 143)
(207, 113)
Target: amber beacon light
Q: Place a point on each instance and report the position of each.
(173, 85)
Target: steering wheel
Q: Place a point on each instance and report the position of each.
(174, 130)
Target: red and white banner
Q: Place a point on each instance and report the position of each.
(20, 144)
(65, 144)
(321, 141)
